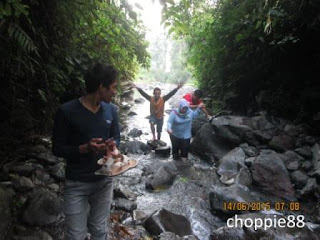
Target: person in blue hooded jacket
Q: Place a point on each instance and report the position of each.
(179, 128)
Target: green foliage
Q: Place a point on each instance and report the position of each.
(241, 48)
(46, 46)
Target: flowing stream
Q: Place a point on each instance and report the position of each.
(189, 194)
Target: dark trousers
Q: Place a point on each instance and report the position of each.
(180, 144)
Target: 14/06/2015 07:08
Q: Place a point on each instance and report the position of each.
(258, 206)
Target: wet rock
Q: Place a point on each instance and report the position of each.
(54, 187)
(23, 169)
(310, 140)
(43, 208)
(125, 106)
(292, 130)
(139, 100)
(125, 205)
(231, 163)
(235, 193)
(22, 233)
(208, 146)
(135, 133)
(237, 129)
(58, 171)
(299, 178)
(139, 216)
(134, 147)
(163, 151)
(249, 161)
(127, 94)
(122, 191)
(228, 233)
(155, 166)
(40, 177)
(244, 177)
(168, 236)
(166, 221)
(198, 123)
(281, 143)
(40, 148)
(291, 159)
(132, 113)
(6, 196)
(249, 150)
(23, 184)
(161, 179)
(309, 188)
(306, 165)
(304, 152)
(316, 160)
(47, 158)
(270, 173)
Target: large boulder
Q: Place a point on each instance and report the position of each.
(230, 165)
(281, 143)
(161, 179)
(6, 196)
(209, 146)
(166, 221)
(238, 129)
(135, 147)
(316, 160)
(43, 208)
(221, 196)
(271, 175)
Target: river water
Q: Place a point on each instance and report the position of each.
(189, 194)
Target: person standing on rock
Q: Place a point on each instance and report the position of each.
(179, 128)
(157, 108)
(194, 99)
(84, 130)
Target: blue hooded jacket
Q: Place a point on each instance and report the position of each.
(181, 123)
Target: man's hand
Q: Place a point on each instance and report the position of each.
(110, 147)
(169, 131)
(96, 145)
(202, 105)
(180, 85)
(134, 85)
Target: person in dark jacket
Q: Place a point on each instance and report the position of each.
(84, 130)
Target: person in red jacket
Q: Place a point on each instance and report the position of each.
(194, 100)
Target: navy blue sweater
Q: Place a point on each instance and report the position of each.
(75, 125)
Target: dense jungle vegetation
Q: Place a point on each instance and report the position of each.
(252, 55)
(46, 46)
(248, 55)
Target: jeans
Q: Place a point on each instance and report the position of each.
(157, 121)
(77, 197)
(180, 144)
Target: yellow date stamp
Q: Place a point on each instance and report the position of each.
(260, 206)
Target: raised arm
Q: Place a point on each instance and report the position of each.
(173, 92)
(143, 93)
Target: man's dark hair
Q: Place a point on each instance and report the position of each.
(100, 74)
(198, 93)
(155, 89)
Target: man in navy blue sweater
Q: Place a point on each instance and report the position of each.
(84, 129)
